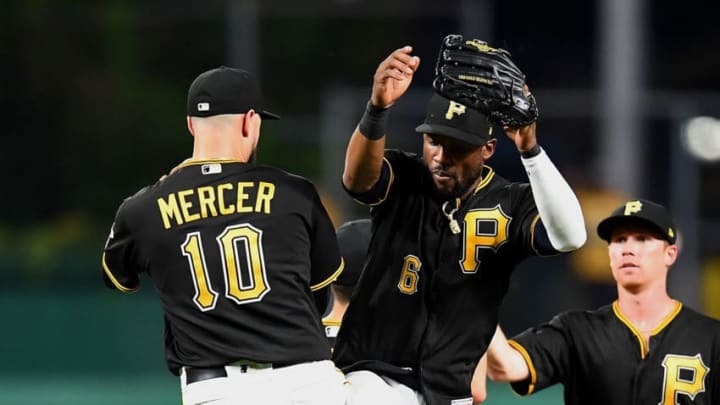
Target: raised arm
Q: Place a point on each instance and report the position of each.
(557, 204)
(365, 151)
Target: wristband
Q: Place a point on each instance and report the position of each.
(532, 152)
(372, 123)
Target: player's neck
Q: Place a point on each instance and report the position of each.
(473, 188)
(645, 309)
(214, 149)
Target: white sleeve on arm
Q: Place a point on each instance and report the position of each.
(558, 206)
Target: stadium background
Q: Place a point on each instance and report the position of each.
(92, 100)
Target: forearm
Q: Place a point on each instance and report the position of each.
(504, 363)
(365, 151)
(557, 204)
(479, 382)
(363, 163)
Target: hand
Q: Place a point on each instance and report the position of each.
(524, 137)
(393, 77)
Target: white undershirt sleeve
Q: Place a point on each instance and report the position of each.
(558, 206)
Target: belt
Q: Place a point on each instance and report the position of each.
(197, 374)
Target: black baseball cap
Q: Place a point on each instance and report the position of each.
(226, 90)
(450, 118)
(353, 240)
(642, 212)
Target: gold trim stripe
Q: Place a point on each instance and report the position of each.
(485, 180)
(532, 233)
(331, 322)
(387, 190)
(190, 162)
(531, 367)
(670, 317)
(330, 279)
(638, 335)
(112, 278)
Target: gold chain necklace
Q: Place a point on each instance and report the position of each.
(453, 223)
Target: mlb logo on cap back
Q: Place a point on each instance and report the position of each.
(225, 90)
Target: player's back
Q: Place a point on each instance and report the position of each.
(233, 250)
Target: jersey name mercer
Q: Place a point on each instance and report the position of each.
(684, 375)
(219, 199)
(483, 228)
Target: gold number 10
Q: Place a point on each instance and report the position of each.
(245, 281)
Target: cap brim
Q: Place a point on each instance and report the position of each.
(267, 115)
(606, 226)
(443, 130)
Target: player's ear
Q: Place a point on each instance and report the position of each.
(190, 126)
(671, 254)
(489, 149)
(250, 124)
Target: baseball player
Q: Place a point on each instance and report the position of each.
(353, 240)
(644, 348)
(447, 233)
(235, 251)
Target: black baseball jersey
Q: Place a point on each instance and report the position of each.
(234, 251)
(353, 240)
(601, 358)
(426, 305)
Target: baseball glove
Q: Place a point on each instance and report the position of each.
(485, 78)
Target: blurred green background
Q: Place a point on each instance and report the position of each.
(92, 100)
(102, 349)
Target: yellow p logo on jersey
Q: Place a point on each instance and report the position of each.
(454, 109)
(675, 384)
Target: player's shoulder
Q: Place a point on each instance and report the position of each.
(700, 320)
(400, 154)
(494, 181)
(494, 187)
(400, 158)
(586, 316)
(410, 169)
(281, 174)
(356, 228)
(512, 187)
(138, 198)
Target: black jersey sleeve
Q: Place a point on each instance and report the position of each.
(326, 262)
(546, 350)
(526, 217)
(377, 194)
(119, 259)
(541, 241)
(534, 236)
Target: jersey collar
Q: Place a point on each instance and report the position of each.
(637, 333)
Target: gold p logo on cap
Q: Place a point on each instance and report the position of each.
(454, 109)
(632, 207)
